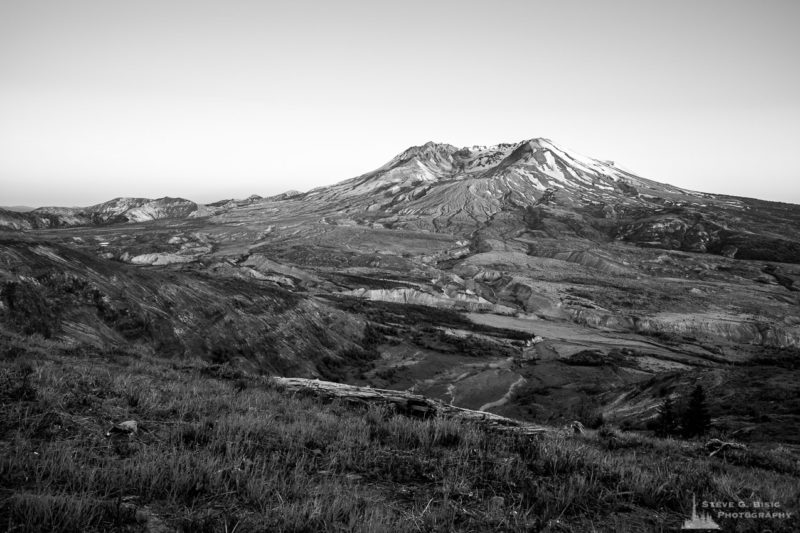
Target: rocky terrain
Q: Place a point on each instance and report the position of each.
(544, 284)
(520, 280)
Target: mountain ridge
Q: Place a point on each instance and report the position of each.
(116, 210)
(533, 186)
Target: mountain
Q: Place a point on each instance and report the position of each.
(548, 189)
(480, 180)
(113, 211)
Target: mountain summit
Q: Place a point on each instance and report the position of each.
(479, 181)
(538, 187)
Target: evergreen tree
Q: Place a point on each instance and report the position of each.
(667, 421)
(696, 420)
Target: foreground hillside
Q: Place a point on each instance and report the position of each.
(216, 449)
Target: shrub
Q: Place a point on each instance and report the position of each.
(30, 310)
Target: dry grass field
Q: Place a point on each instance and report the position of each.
(219, 449)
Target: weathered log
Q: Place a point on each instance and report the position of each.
(410, 404)
(715, 446)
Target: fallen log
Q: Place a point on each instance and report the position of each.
(407, 403)
(715, 446)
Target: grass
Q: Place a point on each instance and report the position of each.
(219, 449)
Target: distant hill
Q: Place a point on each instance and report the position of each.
(113, 211)
(17, 208)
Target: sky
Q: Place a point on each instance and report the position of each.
(210, 100)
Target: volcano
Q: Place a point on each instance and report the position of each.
(536, 185)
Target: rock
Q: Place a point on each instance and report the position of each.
(791, 320)
(161, 259)
(487, 276)
(129, 427)
(497, 503)
(453, 299)
(150, 521)
(141, 516)
(781, 277)
(534, 341)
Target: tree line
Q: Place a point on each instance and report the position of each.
(692, 421)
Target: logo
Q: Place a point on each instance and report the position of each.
(747, 510)
(699, 521)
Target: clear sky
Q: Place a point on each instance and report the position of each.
(211, 100)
